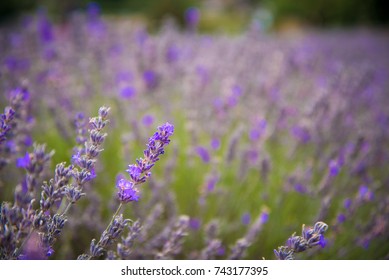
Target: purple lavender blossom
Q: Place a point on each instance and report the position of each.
(50, 252)
(246, 217)
(203, 154)
(24, 161)
(363, 190)
(211, 183)
(347, 203)
(264, 217)
(28, 141)
(334, 168)
(257, 131)
(140, 171)
(365, 193)
(322, 241)
(236, 92)
(45, 28)
(93, 10)
(221, 251)
(172, 54)
(192, 17)
(5, 124)
(148, 120)
(311, 237)
(300, 188)
(194, 223)
(19, 94)
(95, 25)
(127, 92)
(215, 143)
(301, 133)
(150, 78)
(341, 218)
(127, 192)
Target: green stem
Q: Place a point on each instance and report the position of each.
(114, 216)
(67, 208)
(110, 223)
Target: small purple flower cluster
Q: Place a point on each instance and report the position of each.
(127, 192)
(14, 126)
(6, 121)
(20, 222)
(311, 237)
(140, 171)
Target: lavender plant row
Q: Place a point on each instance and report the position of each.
(245, 138)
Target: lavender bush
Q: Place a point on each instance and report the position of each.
(270, 132)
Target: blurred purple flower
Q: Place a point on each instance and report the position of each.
(347, 203)
(93, 10)
(49, 54)
(246, 218)
(124, 76)
(218, 103)
(257, 131)
(301, 133)
(232, 101)
(45, 28)
(365, 193)
(365, 243)
(11, 146)
(127, 92)
(341, 218)
(363, 190)
(300, 188)
(212, 183)
(150, 78)
(194, 223)
(264, 217)
(11, 63)
(148, 120)
(215, 143)
(203, 154)
(237, 90)
(221, 251)
(172, 54)
(19, 94)
(95, 24)
(192, 17)
(15, 64)
(252, 155)
(16, 40)
(334, 168)
(28, 141)
(23, 162)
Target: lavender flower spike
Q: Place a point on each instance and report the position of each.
(127, 192)
(310, 237)
(140, 171)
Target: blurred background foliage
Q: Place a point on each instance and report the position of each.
(220, 15)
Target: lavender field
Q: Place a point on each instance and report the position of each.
(118, 143)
